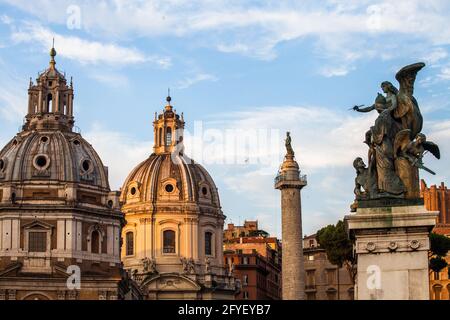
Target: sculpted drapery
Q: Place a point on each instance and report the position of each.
(396, 146)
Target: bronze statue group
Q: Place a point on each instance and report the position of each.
(396, 144)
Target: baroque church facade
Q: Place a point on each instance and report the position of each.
(65, 235)
(174, 232)
(60, 223)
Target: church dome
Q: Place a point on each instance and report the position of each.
(47, 161)
(57, 212)
(168, 174)
(63, 157)
(174, 222)
(159, 178)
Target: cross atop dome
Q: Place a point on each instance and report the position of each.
(168, 106)
(52, 55)
(168, 99)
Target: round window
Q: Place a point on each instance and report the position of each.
(169, 188)
(205, 191)
(2, 164)
(40, 161)
(44, 139)
(110, 203)
(86, 165)
(76, 142)
(133, 191)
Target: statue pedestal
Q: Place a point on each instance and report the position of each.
(391, 244)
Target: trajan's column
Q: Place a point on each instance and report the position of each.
(290, 182)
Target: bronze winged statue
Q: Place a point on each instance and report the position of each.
(407, 110)
(396, 144)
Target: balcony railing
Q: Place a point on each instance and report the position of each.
(283, 177)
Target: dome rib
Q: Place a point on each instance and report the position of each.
(189, 176)
(64, 158)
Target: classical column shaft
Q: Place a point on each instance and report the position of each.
(293, 279)
(30, 103)
(40, 101)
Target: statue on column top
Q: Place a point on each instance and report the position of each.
(289, 149)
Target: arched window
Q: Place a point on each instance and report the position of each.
(169, 241)
(64, 111)
(95, 242)
(160, 137)
(49, 103)
(208, 243)
(168, 136)
(130, 243)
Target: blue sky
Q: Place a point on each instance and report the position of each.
(241, 66)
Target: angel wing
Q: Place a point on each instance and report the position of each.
(407, 76)
(401, 141)
(433, 148)
(407, 108)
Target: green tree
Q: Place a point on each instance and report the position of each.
(338, 247)
(258, 233)
(439, 247)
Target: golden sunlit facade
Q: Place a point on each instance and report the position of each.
(173, 237)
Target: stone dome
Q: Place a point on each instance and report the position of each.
(174, 222)
(47, 162)
(56, 207)
(62, 157)
(160, 179)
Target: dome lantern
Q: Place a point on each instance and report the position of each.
(167, 129)
(50, 100)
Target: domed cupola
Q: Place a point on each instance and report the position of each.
(174, 220)
(56, 207)
(168, 174)
(47, 149)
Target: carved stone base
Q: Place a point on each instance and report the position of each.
(389, 202)
(391, 245)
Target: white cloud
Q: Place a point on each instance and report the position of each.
(435, 55)
(190, 81)
(444, 73)
(316, 132)
(253, 188)
(255, 29)
(6, 19)
(338, 71)
(13, 98)
(111, 79)
(84, 51)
